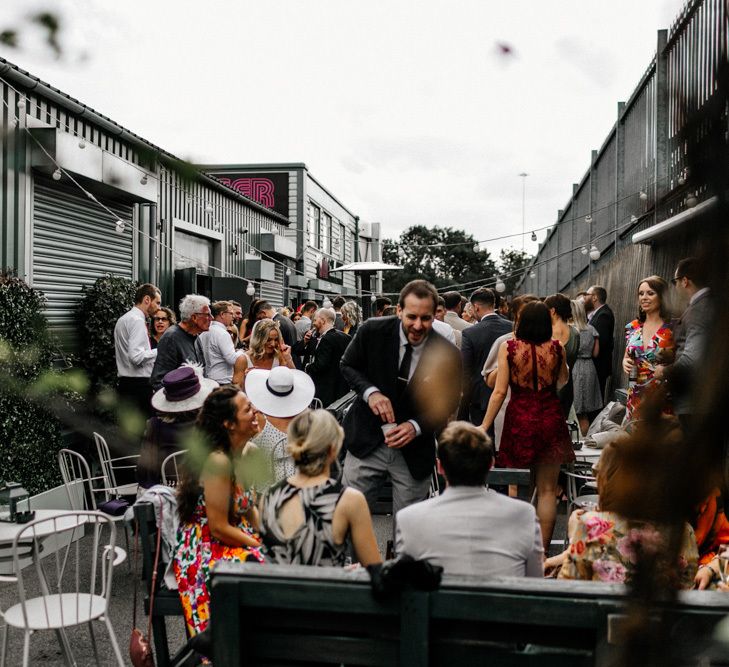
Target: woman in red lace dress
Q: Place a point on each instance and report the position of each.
(535, 433)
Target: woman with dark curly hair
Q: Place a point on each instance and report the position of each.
(218, 518)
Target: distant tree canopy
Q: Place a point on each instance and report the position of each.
(446, 257)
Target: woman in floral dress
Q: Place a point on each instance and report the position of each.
(648, 343)
(218, 518)
(605, 546)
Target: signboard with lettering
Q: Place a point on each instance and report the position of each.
(270, 190)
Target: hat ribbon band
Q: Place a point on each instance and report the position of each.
(279, 393)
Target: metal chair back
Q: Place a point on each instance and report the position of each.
(109, 465)
(78, 481)
(170, 468)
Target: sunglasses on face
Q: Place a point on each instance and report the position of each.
(674, 281)
(160, 319)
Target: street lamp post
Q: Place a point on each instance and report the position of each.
(523, 177)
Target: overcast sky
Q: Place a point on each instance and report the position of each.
(409, 112)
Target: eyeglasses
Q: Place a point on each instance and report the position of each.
(207, 316)
(160, 319)
(674, 281)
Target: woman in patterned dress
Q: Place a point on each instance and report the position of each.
(218, 518)
(648, 343)
(308, 518)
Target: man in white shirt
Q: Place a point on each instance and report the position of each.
(134, 354)
(304, 324)
(217, 346)
(454, 307)
(445, 330)
(470, 529)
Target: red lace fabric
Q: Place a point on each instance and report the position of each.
(535, 431)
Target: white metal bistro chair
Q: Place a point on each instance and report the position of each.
(170, 471)
(82, 489)
(68, 598)
(109, 465)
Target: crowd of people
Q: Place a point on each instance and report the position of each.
(445, 387)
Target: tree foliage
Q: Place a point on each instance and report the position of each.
(511, 265)
(446, 257)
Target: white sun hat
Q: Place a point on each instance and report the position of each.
(280, 392)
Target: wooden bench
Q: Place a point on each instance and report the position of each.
(290, 614)
(166, 602)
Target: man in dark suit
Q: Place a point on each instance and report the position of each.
(476, 342)
(689, 336)
(324, 366)
(602, 318)
(407, 381)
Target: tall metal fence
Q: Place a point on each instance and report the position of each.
(639, 177)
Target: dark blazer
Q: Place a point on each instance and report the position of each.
(690, 337)
(604, 323)
(288, 329)
(372, 359)
(339, 323)
(476, 342)
(324, 367)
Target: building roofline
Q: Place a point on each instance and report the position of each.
(29, 83)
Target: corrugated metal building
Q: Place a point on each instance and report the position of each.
(81, 196)
(325, 232)
(638, 209)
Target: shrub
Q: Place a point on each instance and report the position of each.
(103, 303)
(30, 436)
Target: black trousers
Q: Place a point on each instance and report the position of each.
(136, 392)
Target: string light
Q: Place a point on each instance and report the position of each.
(373, 298)
(250, 290)
(691, 201)
(583, 249)
(82, 143)
(534, 236)
(633, 219)
(326, 303)
(288, 273)
(144, 179)
(594, 253)
(532, 275)
(120, 226)
(208, 208)
(588, 218)
(57, 175)
(500, 286)
(643, 196)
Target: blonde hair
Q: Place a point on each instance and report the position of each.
(312, 434)
(259, 337)
(352, 313)
(579, 317)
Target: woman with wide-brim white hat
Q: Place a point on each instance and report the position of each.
(183, 392)
(279, 395)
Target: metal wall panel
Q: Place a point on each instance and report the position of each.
(272, 291)
(74, 243)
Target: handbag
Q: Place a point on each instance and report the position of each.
(140, 650)
(114, 507)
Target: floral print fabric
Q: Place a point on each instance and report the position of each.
(658, 350)
(604, 547)
(197, 553)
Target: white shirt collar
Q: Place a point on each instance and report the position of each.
(220, 324)
(698, 295)
(488, 315)
(139, 313)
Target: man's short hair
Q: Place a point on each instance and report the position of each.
(381, 302)
(327, 313)
(309, 305)
(235, 303)
(693, 269)
(147, 289)
(466, 454)
(262, 307)
(600, 293)
(387, 311)
(192, 304)
(452, 299)
(420, 289)
(220, 307)
(441, 301)
(485, 296)
(337, 302)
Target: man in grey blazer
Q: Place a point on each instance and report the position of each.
(689, 337)
(470, 529)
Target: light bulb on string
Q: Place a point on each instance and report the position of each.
(288, 273)
(691, 200)
(120, 226)
(476, 247)
(326, 303)
(250, 290)
(208, 207)
(594, 253)
(144, 179)
(643, 196)
(21, 102)
(216, 226)
(82, 143)
(633, 219)
(588, 218)
(373, 298)
(534, 237)
(500, 287)
(583, 250)
(57, 175)
(682, 178)
(532, 275)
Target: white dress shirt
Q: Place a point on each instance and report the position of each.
(219, 353)
(134, 355)
(445, 330)
(592, 313)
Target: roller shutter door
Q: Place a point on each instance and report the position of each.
(273, 291)
(74, 242)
